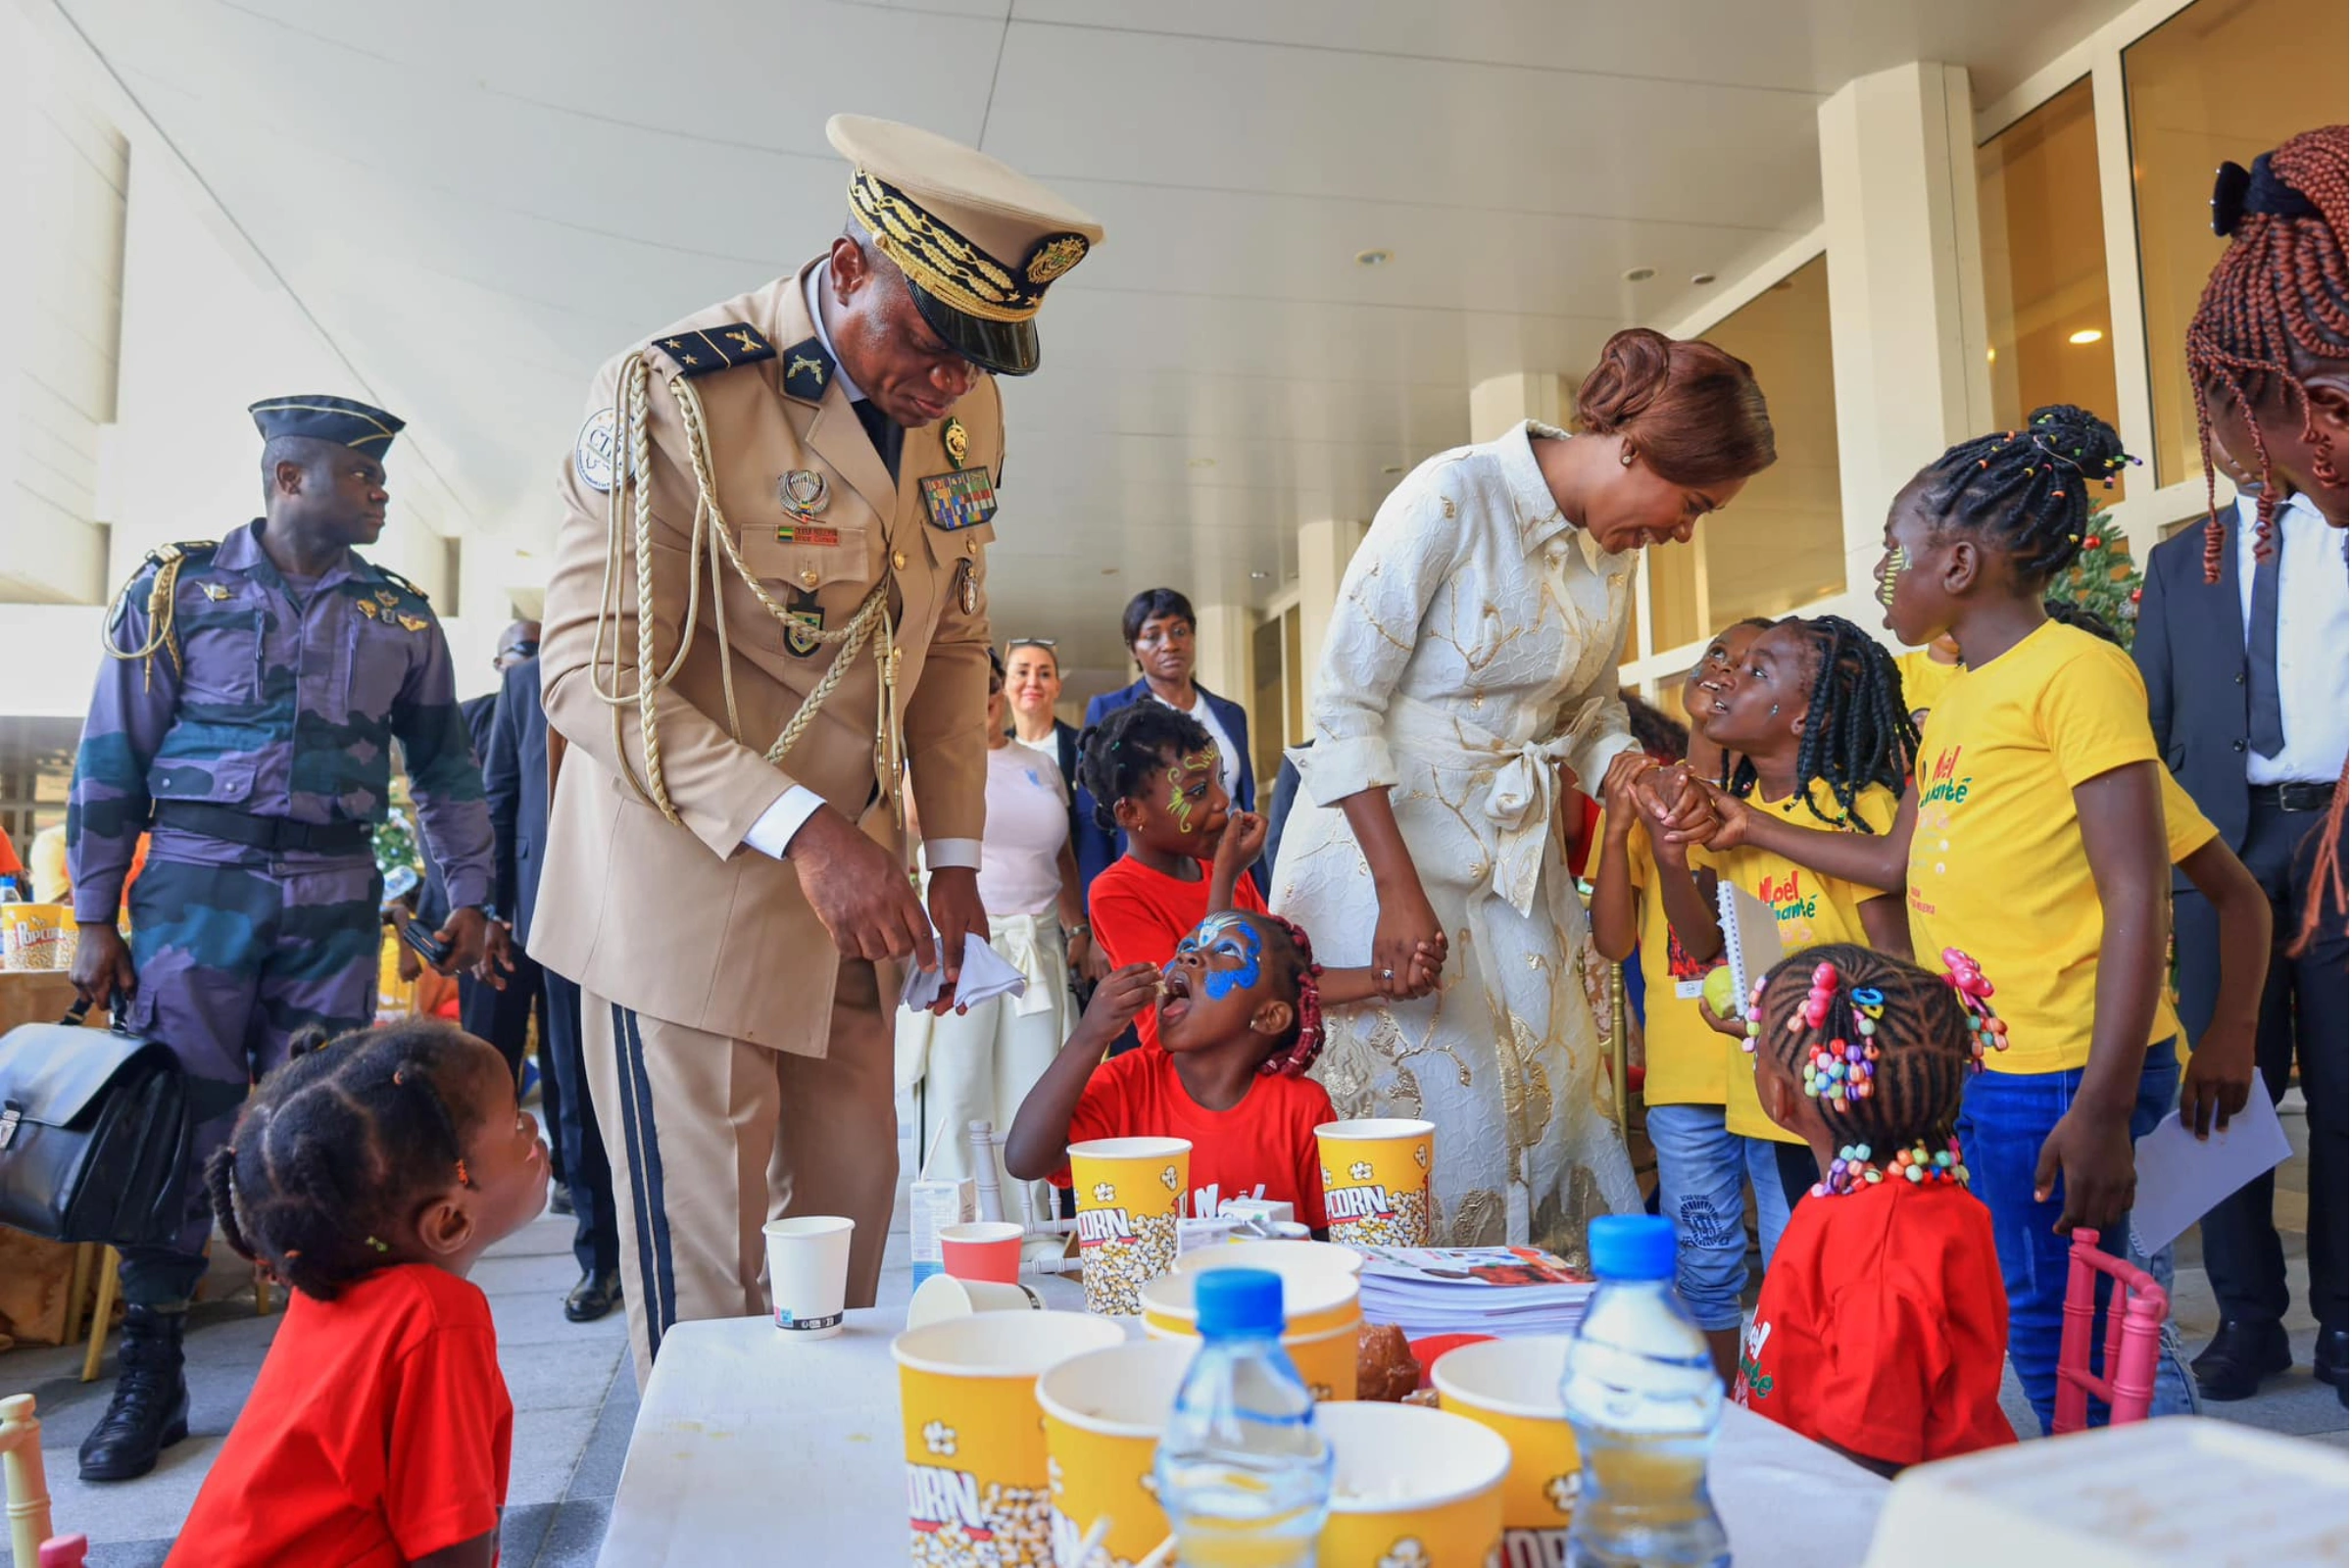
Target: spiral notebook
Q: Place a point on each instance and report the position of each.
(1751, 937)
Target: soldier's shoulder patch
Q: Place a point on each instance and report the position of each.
(398, 581)
(193, 551)
(808, 370)
(701, 350)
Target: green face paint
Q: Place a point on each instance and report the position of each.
(1179, 807)
(1898, 561)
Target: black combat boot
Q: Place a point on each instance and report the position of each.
(150, 1408)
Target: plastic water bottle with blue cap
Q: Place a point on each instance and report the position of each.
(1644, 1397)
(1243, 1473)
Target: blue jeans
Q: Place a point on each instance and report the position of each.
(1702, 1167)
(2004, 1121)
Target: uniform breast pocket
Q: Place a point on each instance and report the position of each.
(818, 576)
(224, 654)
(379, 660)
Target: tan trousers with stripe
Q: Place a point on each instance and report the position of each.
(710, 1138)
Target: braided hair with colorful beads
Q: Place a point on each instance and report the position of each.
(338, 1146)
(1306, 1043)
(1858, 733)
(2027, 492)
(1884, 1046)
(2274, 311)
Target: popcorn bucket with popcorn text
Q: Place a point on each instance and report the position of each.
(37, 936)
(976, 1472)
(1325, 1358)
(1105, 1412)
(1411, 1488)
(1130, 1195)
(1376, 1180)
(1512, 1389)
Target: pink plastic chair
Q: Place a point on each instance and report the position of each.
(2135, 1313)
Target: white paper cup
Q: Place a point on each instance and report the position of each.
(944, 1296)
(808, 1273)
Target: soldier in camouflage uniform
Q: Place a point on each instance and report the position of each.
(246, 718)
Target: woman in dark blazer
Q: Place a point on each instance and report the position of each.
(1158, 629)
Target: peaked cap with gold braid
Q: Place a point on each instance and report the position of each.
(980, 243)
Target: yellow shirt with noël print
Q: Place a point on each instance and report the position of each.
(1813, 911)
(1998, 865)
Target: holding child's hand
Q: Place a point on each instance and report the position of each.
(1617, 791)
(1125, 993)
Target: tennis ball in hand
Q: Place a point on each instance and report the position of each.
(1716, 990)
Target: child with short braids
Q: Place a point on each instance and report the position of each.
(369, 1173)
(1882, 1323)
(2032, 837)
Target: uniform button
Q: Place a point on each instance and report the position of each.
(897, 558)
(971, 547)
(2237, 746)
(809, 577)
(2239, 677)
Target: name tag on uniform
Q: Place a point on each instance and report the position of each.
(964, 499)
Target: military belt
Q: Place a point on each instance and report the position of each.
(273, 833)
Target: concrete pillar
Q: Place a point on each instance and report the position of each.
(1324, 550)
(1898, 189)
(1221, 651)
(1501, 401)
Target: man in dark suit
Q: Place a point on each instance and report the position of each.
(1158, 629)
(514, 777)
(2245, 692)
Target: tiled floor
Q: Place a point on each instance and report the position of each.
(575, 1401)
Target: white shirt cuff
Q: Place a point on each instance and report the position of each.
(941, 854)
(771, 835)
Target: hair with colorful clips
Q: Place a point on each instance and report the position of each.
(1858, 732)
(1883, 1046)
(2027, 491)
(337, 1148)
(2274, 309)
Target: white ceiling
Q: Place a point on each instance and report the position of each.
(480, 201)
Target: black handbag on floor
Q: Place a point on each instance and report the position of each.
(94, 1134)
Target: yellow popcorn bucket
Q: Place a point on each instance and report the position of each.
(976, 1477)
(1325, 1360)
(1376, 1180)
(1282, 1257)
(1512, 1389)
(1130, 1195)
(1412, 1489)
(37, 936)
(1104, 1414)
(1315, 1297)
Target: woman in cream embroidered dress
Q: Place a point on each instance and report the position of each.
(1472, 656)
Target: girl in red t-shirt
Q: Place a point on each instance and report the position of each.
(1883, 1320)
(1240, 1013)
(368, 1174)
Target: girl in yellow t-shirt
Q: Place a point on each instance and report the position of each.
(2033, 839)
(1703, 1168)
(1815, 713)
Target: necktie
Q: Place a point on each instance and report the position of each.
(883, 431)
(2266, 723)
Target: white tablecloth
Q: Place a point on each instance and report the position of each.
(749, 1449)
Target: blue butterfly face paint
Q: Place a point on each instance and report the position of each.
(1234, 953)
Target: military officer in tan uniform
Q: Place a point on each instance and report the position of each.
(769, 609)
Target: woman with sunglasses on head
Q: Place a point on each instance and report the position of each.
(979, 1066)
(1031, 692)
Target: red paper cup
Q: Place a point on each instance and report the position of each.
(989, 1251)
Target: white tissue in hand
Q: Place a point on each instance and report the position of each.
(986, 976)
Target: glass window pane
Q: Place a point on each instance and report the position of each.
(2046, 262)
(2223, 80)
(1781, 544)
(1270, 715)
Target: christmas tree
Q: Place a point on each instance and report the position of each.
(2103, 580)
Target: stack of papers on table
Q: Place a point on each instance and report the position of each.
(1502, 1291)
